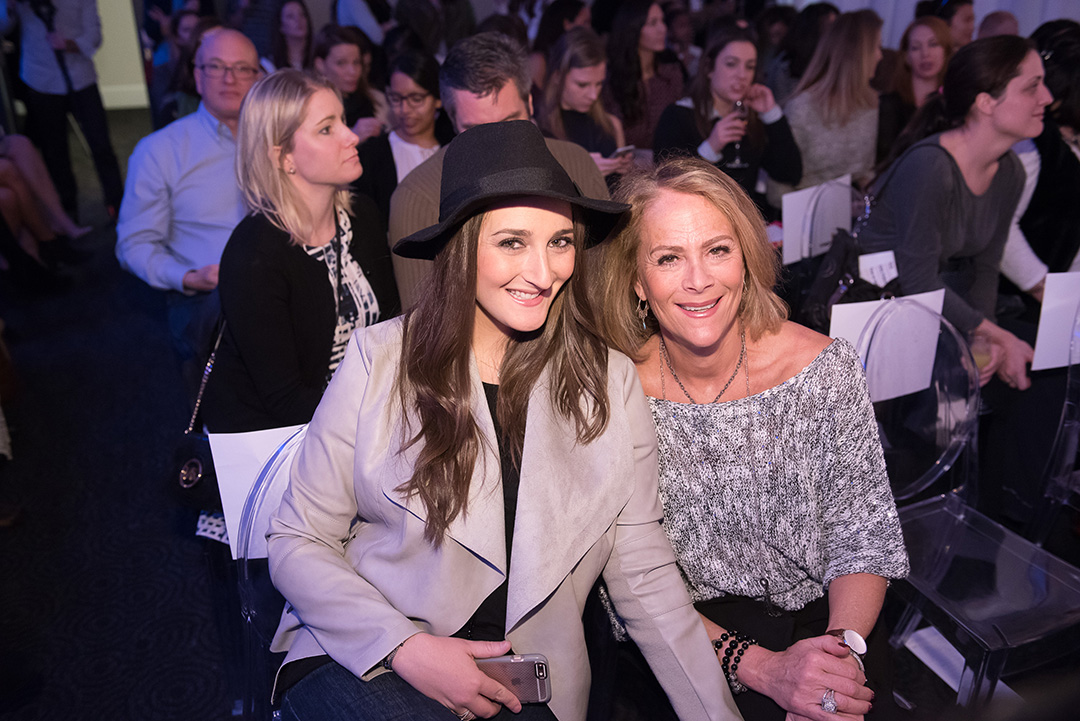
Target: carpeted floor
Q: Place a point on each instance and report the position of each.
(108, 611)
(109, 608)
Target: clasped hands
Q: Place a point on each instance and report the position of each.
(798, 677)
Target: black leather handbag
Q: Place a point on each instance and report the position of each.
(193, 481)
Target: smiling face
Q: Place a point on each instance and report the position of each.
(1019, 111)
(342, 66)
(733, 72)
(324, 149)
(653, 35)
(690, 270)
(582, 87)
(411, 121)
(525, 253)
(925, 55)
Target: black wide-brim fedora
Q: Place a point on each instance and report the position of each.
(487, 163)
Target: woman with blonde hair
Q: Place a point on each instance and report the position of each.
(834, 111)
(572, 109)
(295, 279)
(776, 501)
(925, 48)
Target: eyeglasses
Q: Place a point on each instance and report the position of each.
(217, 70)
(413, 100)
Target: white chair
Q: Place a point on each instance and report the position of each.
(260, 602)
(1001, 601)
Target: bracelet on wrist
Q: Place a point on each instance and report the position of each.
(388, 662)
(733, 651)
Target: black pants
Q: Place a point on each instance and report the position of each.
(47, 127)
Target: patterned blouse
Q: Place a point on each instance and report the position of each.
(775, 495)
(355, 300)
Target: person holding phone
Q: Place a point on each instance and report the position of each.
(474, 467)
(572, 109)
(731, 121)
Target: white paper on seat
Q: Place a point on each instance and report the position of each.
(238, 458)
(1061, 299)
(905, 360)
(815, 213)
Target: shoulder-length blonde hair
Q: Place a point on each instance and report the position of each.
(578, 47)
(838, 77)
(940, 28)
(434, 375)
(271, 114)
(760, 309)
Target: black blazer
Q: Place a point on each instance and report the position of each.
(279, 314)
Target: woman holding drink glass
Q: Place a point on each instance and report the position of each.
(731, 121)
(945, 205)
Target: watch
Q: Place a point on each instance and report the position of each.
(854, 641)
(388, 662)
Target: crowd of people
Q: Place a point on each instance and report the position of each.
(516, 279)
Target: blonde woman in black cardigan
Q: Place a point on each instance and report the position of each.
(295, 279)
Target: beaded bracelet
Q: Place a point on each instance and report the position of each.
(733, 654)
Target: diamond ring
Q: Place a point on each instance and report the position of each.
(828, 701)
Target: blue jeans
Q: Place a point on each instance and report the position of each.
(332, 693)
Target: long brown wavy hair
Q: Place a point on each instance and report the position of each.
(435, 386)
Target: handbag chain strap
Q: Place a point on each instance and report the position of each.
(205, 377)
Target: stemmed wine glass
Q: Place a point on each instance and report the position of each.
(737, 161)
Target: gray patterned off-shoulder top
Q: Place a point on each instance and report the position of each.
(777, 494)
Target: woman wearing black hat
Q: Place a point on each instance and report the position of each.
(474, 467)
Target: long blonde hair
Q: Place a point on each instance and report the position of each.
(838, 77)
(760, 309)
(271, 114)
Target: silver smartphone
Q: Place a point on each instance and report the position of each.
(624, 150)
(526, 675)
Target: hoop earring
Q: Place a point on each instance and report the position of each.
(642, 312)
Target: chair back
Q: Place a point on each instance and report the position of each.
(260, 602)
(829, 209)
(1061, 476)
(925, 387)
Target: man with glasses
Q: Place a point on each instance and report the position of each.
(182, 202)
(485, 79)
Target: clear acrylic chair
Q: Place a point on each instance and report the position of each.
(260, 602)
(1061, 477)
(1004, 603)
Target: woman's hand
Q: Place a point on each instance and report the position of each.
(729, 129)
(444, 669)
(1009, 356)
(798, 677)
(367, 128)
(621, 164)
(760, 99)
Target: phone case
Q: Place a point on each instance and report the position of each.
(526, 675)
